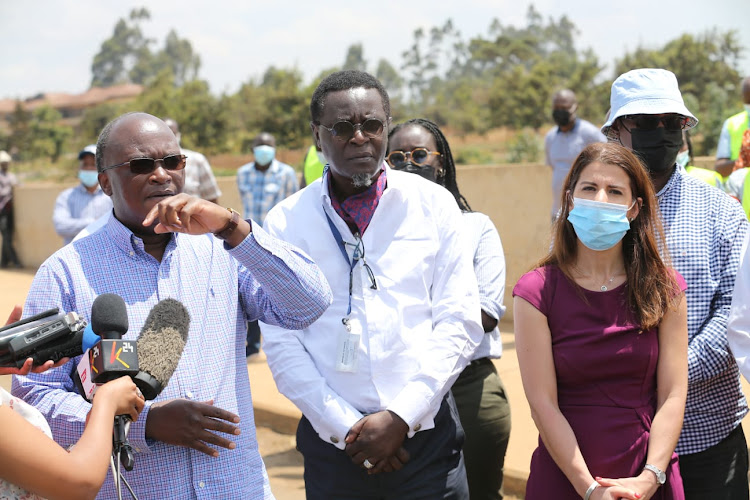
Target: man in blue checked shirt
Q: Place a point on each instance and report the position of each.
(197, 439)
(705, 230)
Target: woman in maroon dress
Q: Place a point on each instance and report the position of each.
(601, 338)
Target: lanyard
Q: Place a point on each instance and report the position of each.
(358, 254)
(342, 247)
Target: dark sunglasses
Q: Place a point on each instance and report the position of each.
(345, 130)
(651, 122)
(418, 156)
(147, 165)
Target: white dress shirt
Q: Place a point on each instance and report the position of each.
(489, 267)
(738, 327)
(419, 329)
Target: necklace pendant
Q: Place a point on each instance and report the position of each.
(604, 288)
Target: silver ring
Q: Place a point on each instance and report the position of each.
(367, 464)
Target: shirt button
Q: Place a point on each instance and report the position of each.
(334, 439)
(132, 253)
(189, 395)
(417, 427)
(201, 484)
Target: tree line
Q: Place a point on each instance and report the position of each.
(503, 78)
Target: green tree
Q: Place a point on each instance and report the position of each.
(279, 104)
(111, 63)
(355, 58)
(126, 57)
(93, 121)
(48, 135)
(20, 131)
(204, 119)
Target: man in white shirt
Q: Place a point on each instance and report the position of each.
(79, 206)
(372, 375)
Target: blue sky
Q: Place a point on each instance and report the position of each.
(48, 46)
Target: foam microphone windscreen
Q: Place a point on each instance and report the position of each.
(109, 316)
(160, 346)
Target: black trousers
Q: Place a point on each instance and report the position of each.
(252, 346)
(485, 416)
(8, 255)
(435, 470)
(719, 472)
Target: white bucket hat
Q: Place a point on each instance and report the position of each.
(647, 91)
(4, 157)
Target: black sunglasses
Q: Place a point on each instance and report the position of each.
(651, 122)
(147, 165)
(345, 130)
(418, 156)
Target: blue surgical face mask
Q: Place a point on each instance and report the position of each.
(599, 225)
(264, 154)
(89, 178)
(683, 158)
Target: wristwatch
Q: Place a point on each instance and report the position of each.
(234, 220)
(661, 478)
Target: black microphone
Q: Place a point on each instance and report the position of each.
(111, 357)
(160, 346)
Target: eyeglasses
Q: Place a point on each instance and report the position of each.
(147, 165)
(418, 156)
(651, 122)
(345, 130)
(359, 254)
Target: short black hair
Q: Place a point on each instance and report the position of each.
(103, 141)
(345, 80)
(448, 180)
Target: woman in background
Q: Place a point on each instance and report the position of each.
(418, 146)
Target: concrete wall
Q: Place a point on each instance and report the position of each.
(516, 197)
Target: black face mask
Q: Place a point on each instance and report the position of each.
(425, 171)
(561, 117)
(657, 148)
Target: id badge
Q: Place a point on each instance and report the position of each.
(347, 352)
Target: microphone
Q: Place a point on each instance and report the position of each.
(105, 358)
(160, 345)
(111, 357)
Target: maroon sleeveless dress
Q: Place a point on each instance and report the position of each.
(606, 382)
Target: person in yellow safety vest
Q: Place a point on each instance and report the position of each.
(313, 167)
(737, 187)
(685, 159)
(730, 140)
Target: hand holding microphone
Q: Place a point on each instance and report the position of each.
(120, 396)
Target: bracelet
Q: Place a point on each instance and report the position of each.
(227, 231)
(591, 489)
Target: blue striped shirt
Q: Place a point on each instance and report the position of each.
(262, 190)
(705, 229)
(262, 278)
(76, 208)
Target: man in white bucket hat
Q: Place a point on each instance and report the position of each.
(705, 230)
